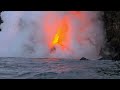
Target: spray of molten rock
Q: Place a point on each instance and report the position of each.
(60, 36)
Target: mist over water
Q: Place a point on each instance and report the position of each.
(29, 33)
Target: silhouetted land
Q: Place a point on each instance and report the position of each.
(0, 20)
(112, 29)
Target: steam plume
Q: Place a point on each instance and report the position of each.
(29, 34)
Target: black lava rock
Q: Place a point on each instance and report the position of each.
(83, 58)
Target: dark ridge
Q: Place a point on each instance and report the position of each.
(0, 19)
(112, 29)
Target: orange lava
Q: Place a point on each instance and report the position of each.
(58, 32)
(61, 34)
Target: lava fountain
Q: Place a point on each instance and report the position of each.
(51, 34)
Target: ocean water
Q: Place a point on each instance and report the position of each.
(46, 68)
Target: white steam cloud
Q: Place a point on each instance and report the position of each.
(23, 34)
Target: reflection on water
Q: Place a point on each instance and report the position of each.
(29, 68)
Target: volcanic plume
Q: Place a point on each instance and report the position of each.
(51, 34)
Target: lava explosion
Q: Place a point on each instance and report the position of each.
(48, 34)
(61, 35)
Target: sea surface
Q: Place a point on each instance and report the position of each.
(46, 68)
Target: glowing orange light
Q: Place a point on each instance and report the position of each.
(61, 34)
(59, 30)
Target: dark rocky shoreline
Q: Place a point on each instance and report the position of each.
(112, 30)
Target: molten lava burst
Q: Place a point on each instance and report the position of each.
(58, 30)
(61, 34)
